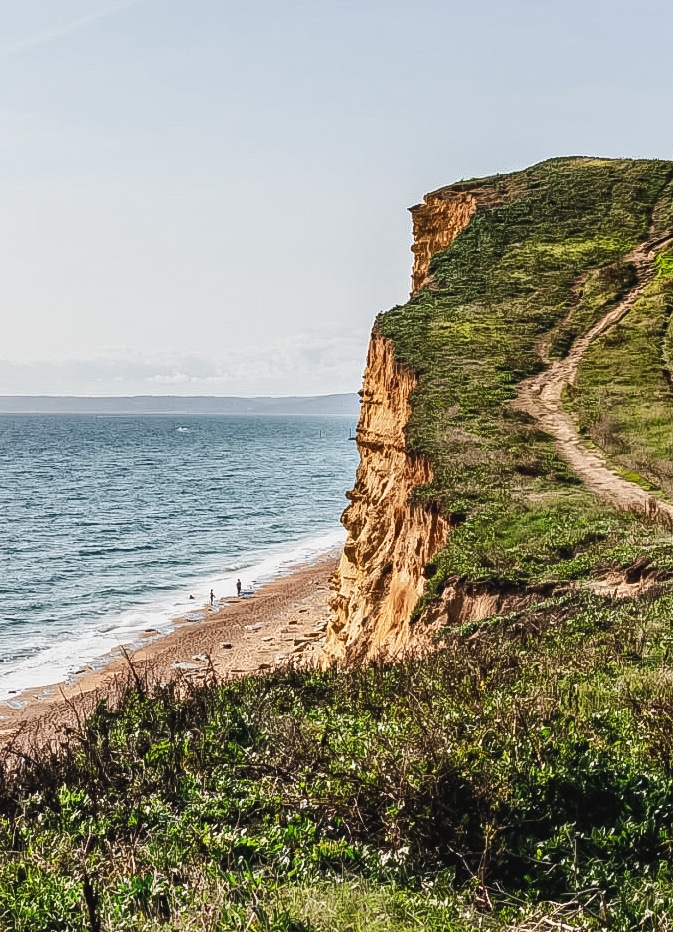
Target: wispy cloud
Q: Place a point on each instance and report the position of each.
(308, 362)
(58, 32)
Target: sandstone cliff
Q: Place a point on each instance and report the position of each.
(441, 216)
(390, 538)
(471, 333)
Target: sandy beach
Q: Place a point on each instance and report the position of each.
(284, 621)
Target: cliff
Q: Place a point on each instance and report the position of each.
(441, 216)
(390, 537)
(465, 498)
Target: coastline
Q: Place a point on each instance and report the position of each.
(94, 637)
(284, 621)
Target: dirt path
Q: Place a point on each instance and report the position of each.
(541, 397)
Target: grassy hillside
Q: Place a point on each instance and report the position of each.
(522, 776)
(523, 280)
(623, 400)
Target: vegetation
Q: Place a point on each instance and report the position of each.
(519, 778)
(527, 762)
(623, 398)
(519, 284)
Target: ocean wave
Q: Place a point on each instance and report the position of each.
(105, 551)
(110, 524)
(98, 644)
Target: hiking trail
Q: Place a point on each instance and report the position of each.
(541, 396)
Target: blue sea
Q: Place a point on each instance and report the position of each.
(110, 523)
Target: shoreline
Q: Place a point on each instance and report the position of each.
(95, 639)
(284, 621)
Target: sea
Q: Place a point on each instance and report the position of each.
(110, 524)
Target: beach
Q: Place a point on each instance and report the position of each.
(283, 622)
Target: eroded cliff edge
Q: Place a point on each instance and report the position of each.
(441, 216)
(503, 266)
(392, 537)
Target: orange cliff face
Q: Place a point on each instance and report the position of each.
(438, 221)
(390, 539)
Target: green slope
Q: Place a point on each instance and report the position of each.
(532, 754)
(525, 278)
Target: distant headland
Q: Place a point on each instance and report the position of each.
(346, 405)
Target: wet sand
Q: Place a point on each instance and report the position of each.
(283, 622)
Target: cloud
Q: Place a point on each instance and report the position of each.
(58, 32)
(309, 362)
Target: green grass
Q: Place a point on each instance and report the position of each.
(665, 266)
(525, 278)
(543, 543)
(531, 755)
(622, 399)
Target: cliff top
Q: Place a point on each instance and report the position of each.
(505, 179)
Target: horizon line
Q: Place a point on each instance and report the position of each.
(180, 397)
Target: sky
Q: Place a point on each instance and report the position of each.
(207, 197)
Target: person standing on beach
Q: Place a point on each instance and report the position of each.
(212, 598)
(238, 588)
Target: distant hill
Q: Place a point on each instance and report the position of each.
(346, 405)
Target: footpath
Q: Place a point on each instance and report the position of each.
(541, 396)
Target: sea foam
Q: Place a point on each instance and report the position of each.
(62, 662)
(110, 524)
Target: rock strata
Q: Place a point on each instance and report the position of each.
(439, 219)
(390, 537)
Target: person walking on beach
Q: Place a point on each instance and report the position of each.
(212, 598)
(238, 588)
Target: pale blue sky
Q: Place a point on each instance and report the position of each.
(210, 198)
